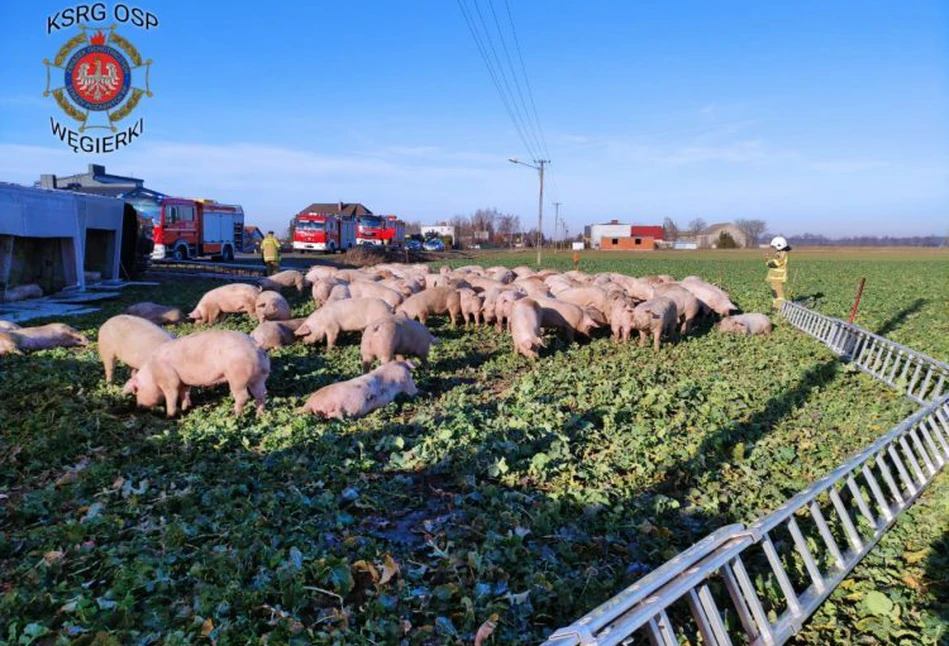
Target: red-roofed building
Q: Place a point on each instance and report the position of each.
(647, 231)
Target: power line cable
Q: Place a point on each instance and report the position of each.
(530, 92)
(491, 73)
(493, 60)
(523, 104)
(507, 86)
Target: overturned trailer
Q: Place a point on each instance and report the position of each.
(51, 238)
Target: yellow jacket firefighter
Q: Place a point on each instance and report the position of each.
(778, 268)
(270, 248)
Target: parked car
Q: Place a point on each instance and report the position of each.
(413, 245)
(434, 245)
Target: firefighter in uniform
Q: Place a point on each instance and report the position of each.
(576, 260)
(778, 270)
(270, 250)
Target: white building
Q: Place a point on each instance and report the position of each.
(440, 230)
(611, 229)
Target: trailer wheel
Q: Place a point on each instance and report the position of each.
(181, 252)
(227, 254)
(331, 247)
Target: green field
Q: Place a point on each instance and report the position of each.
(533, 491)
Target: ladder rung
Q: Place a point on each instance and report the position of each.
(913, 461)
(810, 565)
(937, 457)
(852, 535)
(777, 567)
(906, 365)
(943, 421)
(921, 451)
(890, 482)
(707, 617)
(925, 387)
(824, 531)
(886, 363)
(896, 364)
(901, 470)
(912, 383)
(742, 606)
(750, 596)
(937, 391)
(660, 630)
(934, 427)
(877, 492)
(879, 357)
(861, 502)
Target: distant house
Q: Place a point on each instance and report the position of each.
(596, 234)
(708, 237)
(348, 209)
(252, 238)
(629, 243)
(611, 229)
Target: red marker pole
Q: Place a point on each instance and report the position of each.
(856, 302)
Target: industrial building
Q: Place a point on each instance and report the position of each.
(53, 238)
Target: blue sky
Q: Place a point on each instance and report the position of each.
(827, 117)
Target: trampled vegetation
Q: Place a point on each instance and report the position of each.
(531, 492)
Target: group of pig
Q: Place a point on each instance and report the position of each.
(390, 305)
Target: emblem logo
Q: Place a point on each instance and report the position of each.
(97, 74)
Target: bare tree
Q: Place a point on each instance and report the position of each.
(463, 231)
(753, 230)
(505, 228)
(670, 231)
(485, 220)
(413, 228)
(696, 226)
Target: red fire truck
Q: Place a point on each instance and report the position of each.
(395, 231)
(323, 232)
(380, 230)
(189, 228)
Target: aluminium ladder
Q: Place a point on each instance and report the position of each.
(846, 513)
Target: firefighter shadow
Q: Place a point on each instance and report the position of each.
(897, 320)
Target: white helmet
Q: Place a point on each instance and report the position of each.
(780, 243)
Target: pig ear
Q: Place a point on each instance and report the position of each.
(303, 330)
(412, 365)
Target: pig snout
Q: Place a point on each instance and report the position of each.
(130, 387)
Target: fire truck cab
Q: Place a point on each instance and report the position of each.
(323, 232)
(191, 228)
(380, 230)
